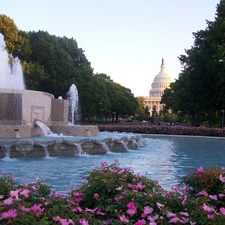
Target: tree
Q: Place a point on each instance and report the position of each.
(141, 112)
(200, 88)
(34, 75)
(14, 41)
(52, 64)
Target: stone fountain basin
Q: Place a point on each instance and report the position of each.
(21, 108)
(67, 146)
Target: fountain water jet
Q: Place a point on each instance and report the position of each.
(10, 76)
(73, 104)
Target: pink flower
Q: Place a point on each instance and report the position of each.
(66, 222)
(222, 210)
(96, 195)
(78, 199)
(221, 195)
(8, 201)
(222, 179)
(120, 171)
(12, 213)
(152, 219)
(104, 164)
(15, 193)
(203, 193)
(25, 193)
(140, 222)
(78, 209)
(55, 194)
(56, 218)
(123, 219)
(22, 207)
(211, 217)
(131, 209)
(35, 209)
(207, 208)
(174, 220)
(90, 210)
(200, 170)
(98, 212)
(213, 197)
(159, 205)
(83, 222)
(77, 194)
(148, 210)
(140, 186)
(139, 174)
(118, 198)
(152, 223)
(63, 221)
(184, 200)
(84, 182)
(169, 214)
(184, 214)
(119, 188)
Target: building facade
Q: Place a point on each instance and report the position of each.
(161, 81)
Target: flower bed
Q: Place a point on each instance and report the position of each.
(165, 129)
(115, 195)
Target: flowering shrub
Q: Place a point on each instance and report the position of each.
(115, 195)
(164, 129)
(210, 180)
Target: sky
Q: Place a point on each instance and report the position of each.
(125, 39)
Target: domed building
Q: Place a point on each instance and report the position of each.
(161, 81)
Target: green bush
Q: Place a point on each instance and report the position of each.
(205, 179)
(115, 195)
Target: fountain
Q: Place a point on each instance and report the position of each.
(11, 75)
(73, 104)
(21, 109)
(26, 115)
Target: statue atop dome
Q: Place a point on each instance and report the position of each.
(162, 66)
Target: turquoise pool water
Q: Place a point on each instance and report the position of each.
(164, 159)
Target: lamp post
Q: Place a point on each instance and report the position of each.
(222, 118)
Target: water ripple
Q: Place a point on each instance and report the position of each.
(163, 159)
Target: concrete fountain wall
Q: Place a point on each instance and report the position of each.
(21, 108)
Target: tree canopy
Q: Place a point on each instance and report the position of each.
(52, 64)
(200, 87)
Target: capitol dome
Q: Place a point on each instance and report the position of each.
(161, 81)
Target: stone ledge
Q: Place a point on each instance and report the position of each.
(76, 130)
(15, 131)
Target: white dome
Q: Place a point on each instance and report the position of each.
(161, 81)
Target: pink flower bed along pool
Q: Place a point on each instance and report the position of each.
(116, 195)
(164, 129)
